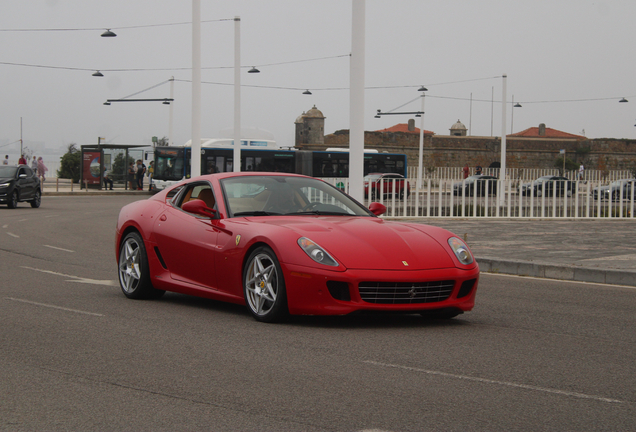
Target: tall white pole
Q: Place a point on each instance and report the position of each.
(171, 119)
(420, 161)
(21, 142)
(356, 101)
(237, 94)
(502, 171)
(512, 114)
(195, 165)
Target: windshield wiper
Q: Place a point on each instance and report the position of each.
(321, 213)
(255, 213)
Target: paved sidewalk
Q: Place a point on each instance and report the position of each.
(600, 251)
(54, 188)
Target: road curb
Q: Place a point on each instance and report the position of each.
(95, 193)
(561, 272)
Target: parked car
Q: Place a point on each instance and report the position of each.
(19, 183)
(288, 244)
(546, 185)
(376, 182)
(477, 183)
(613, 190)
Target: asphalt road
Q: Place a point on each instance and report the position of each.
(75, 354)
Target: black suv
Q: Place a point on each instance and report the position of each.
(19, 183)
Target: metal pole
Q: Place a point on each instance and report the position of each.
(356, 102)
(21, 137)
(420, 162)
(171, 119)
(470, 117)
(195, 164)
(502, 170)
(237, 94)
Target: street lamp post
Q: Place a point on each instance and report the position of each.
(237, 94)
(502, 169)
(195, 164)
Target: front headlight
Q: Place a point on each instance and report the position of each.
(461, 250)
(316, 253)
(4, 185)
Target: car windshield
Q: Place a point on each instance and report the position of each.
(286, 195)
(8, 171)
(542, 179)
(372, 177)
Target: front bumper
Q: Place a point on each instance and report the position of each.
(308, 290)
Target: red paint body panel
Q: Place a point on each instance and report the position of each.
(204, 257)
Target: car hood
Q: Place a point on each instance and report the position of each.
(6, 179)
(371, 243)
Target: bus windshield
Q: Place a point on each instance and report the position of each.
(169, 164)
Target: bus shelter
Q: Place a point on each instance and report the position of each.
(111, 158)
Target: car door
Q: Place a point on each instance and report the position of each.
(24, 185)
(187, 242)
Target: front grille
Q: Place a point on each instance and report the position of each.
(405, 292)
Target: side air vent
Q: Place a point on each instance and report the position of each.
(466, 288)
(339, 290)
(163, 263)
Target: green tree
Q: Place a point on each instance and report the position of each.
(570, 165)
(120, 166)
(70, 163)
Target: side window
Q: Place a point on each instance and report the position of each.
(28, 172)
(202, 191)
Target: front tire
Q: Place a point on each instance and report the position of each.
(134, 273)
(37, 199)
(264, 286)
(13, 202)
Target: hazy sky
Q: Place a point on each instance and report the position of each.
(568, 63)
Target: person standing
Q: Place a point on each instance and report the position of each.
(131, 176)
(151, 172)
(5, 161)
(141, 170)
(34, 165)
(22, 160)
(466, 171)
(42, 169)
(581, 172)
(478, 170)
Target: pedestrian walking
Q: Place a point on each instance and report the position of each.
(581, 172)
(466, 171)
(34, 165)
(478, 170)
(5, 161)
(22, 160)
(42, 169)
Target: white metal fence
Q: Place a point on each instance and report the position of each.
(520, 174)
(504, 199)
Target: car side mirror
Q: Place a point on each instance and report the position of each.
(377, 208)
(198, 207)
(22, 176)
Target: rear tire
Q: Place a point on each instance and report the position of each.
(134, 273)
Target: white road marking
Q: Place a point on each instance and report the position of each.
(77, 279)
(13, 235)
(5, 226)
(58, 248)
(489, 381)
(50, 216)
(54, 307)
(23, 220)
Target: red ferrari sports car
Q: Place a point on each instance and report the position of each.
(289, 244)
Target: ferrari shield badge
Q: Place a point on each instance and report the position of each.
(403, 262)
(238, 239)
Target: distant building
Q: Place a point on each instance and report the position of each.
(310, 127)
(406, 127)
(458, 129)
(545, 132)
